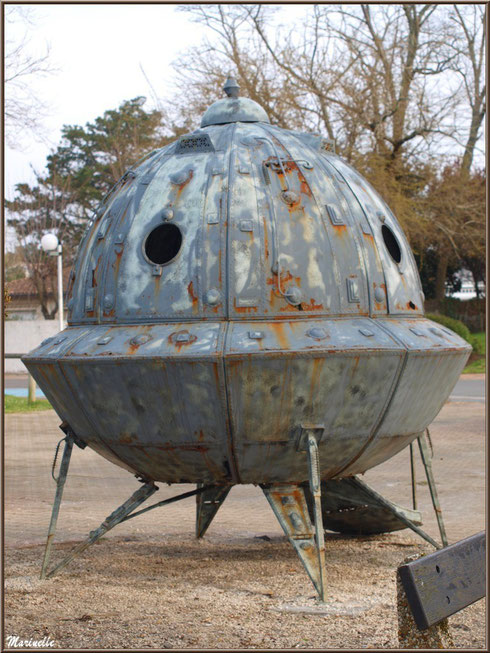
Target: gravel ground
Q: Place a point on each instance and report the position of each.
(218, 593)
(150, 584)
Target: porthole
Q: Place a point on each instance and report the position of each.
(391, 244)
(163, 244)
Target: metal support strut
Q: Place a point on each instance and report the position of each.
(114, 518)
(121, 514)
(315, 488)
(288, 502)
(60, 484)
(427, 462)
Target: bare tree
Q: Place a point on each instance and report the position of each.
(24, 108)
(468, 43)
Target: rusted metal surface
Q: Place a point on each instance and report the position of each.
(289, 505)
(233, 286)
(207, 505)
(349, 506)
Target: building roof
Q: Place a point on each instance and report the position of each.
(26, 287)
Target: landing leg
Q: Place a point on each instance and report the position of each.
(114, 518)
(207, 505)
(426, 460)
(315, 488)
(60, 484)
(289, 505)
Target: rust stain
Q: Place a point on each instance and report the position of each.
(266, 238)
(282, 339)
(117, 262)
(315, 377)
(156, 289)
(244, 309)
(305, 189)
(184, 183)
(125, 438)
(190, 290)
(312, 306)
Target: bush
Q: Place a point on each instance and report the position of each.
(455, 325)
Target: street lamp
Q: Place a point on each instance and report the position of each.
(52, 246)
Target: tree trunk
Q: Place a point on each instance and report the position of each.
(441, 272)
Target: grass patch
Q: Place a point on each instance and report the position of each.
(20, 405)
(476, 363)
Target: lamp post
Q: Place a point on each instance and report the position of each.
(52, 246)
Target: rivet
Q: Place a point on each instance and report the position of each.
(307, 165)
(108, 301)
(156, 271)
(293, 295)
(140, 340)
(104, 340)
(296, 521)
(366, 332)
(379, 295)
(290, 197)
(381, 216)
(318, 333)
(213, 297)
(178, 178)
(246, 225)
(167, 214)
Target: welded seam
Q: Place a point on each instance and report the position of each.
(227, 401)
(394, 387)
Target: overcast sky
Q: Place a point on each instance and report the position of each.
(98, 50)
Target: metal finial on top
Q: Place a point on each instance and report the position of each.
(231, 87)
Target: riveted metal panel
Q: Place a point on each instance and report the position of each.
(403, 286)
(166, 395)
(246, 271)
(286, 378)
(344, 264)
(433, 365)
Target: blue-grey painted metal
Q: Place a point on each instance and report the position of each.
(60, 484)
(427, 462)
(233, 286)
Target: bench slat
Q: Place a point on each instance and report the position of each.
(446, 581)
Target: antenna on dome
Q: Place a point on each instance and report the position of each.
(231, 87)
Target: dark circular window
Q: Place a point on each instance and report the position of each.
(163, 244)
(391, 244)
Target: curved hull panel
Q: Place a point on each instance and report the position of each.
(226, 401)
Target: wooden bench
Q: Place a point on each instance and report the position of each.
(446, 581)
